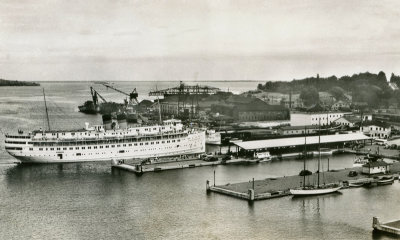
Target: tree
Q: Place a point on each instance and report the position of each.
(309, 96)
(337, 92)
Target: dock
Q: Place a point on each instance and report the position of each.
(279, 187)
(174, 165)
(391, 227)
(140, 169)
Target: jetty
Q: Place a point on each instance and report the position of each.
(139, 168)
(279, 187)
(391, 227)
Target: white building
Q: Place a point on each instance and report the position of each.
(376, 129)
(313, 118)
(348, 120)
(339, 105)
(375, 167)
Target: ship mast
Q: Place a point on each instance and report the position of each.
(305, 156)
(159, 109)
(319, 148)
(47, 113)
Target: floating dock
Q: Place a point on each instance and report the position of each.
(279, 187)
(392, 227)
(173, 165)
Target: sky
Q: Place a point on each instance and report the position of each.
(196, 39)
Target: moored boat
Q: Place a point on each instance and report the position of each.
(356, 184)
(323, 152)
(315, 189)
(106, 142)
(385, 180)
(263, 156)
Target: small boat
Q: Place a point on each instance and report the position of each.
(384, 180)
(263, 156)
(356, 184)
(324, 152)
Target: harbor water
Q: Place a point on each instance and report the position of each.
(92, 201)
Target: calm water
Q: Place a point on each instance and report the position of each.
(91, 201)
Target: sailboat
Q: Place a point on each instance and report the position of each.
(312, 189)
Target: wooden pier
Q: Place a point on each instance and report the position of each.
(391, 227)
(279, 187)
(174, 165)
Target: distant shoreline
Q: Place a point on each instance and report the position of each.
(44, 81)
(14, 83)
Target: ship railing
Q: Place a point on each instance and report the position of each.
(107, 141)
(18, 136)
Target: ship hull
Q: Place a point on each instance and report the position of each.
(190, 144)
(311, 192)
(41, 160)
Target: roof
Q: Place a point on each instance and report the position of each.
(377, 123)
(259, 105)
(376, 164)
(322, 112)
(299, 127)
(297, 141)
(351, 118)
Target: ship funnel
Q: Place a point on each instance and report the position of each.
(122, 121)
(107, 121)
(86, 126)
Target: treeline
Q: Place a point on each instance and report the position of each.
(348, 83)
(366, 88)
(395, 79)
(4, 82)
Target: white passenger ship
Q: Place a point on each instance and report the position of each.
(101, 143)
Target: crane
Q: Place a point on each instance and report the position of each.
(95, 94)
(132, 96)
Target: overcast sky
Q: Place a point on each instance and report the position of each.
(196, 39)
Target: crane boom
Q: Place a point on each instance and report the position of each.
(95, 94)
(113, 88)
(132, 96)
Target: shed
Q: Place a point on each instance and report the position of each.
(376, 167)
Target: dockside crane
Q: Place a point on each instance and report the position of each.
(132, 96)
(95, 96)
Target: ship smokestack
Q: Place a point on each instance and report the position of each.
(121, 118)
(107, 121)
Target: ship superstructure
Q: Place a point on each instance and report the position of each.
(106, 142)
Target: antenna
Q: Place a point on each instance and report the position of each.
(47, 113)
